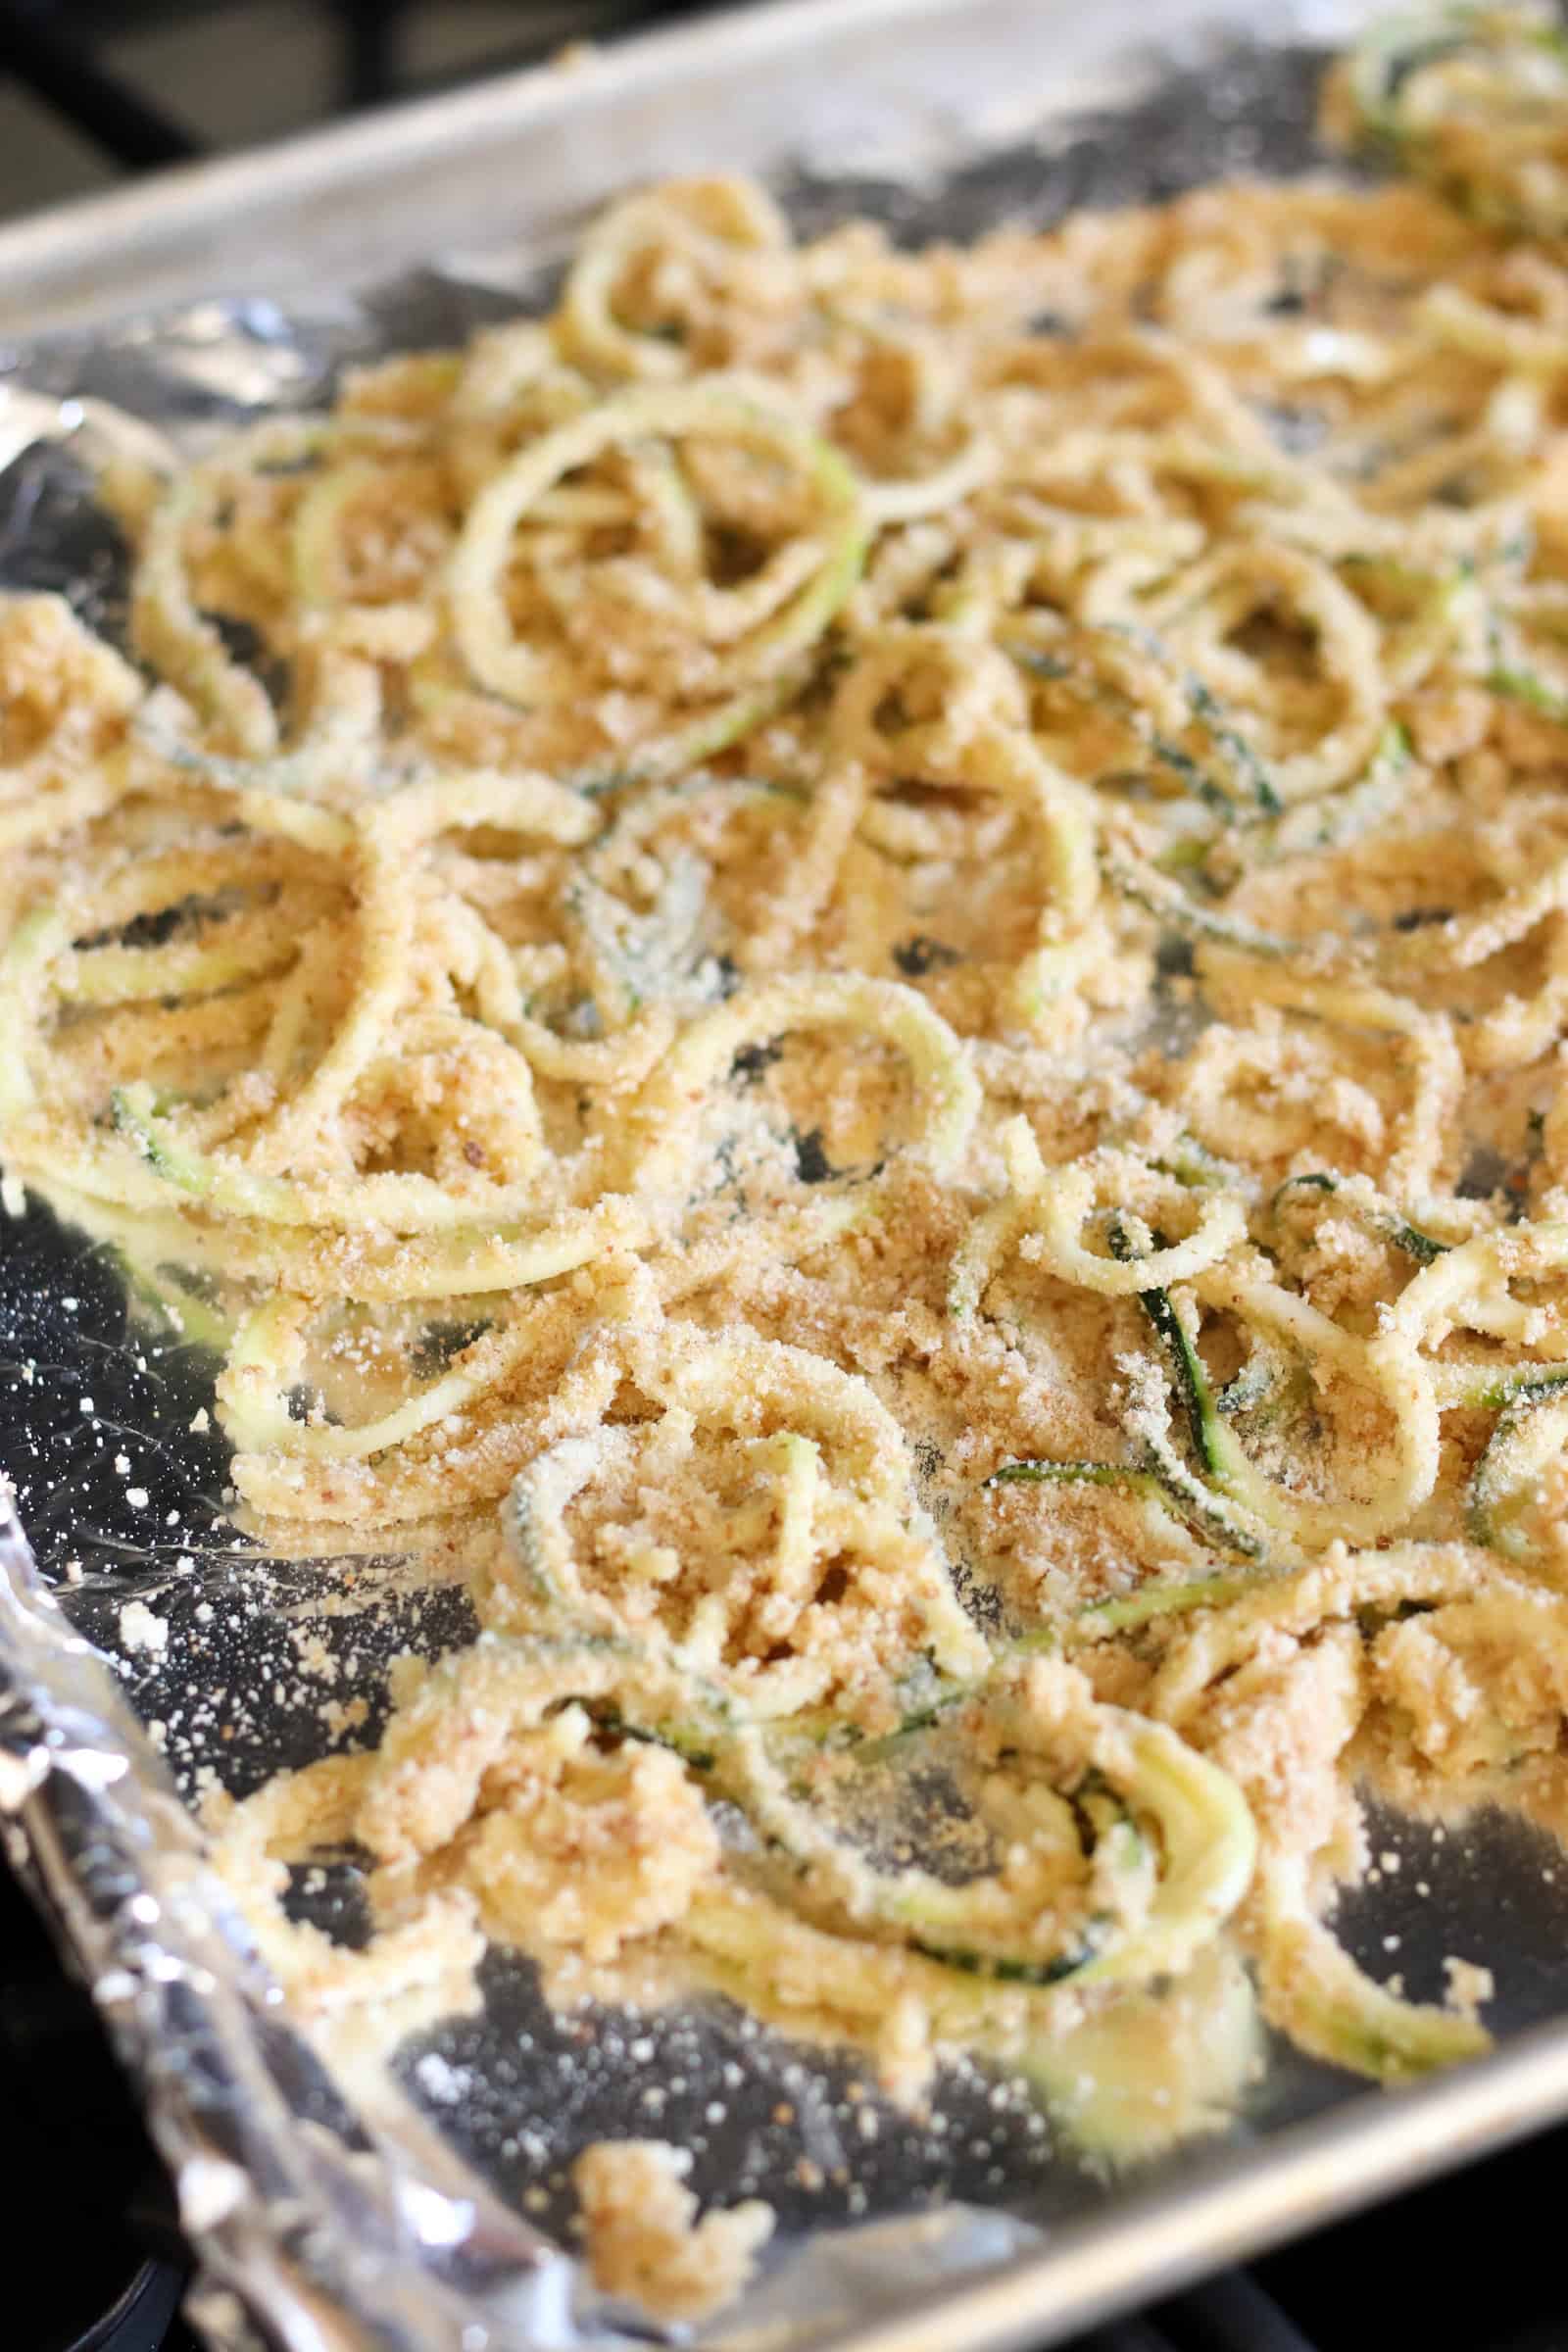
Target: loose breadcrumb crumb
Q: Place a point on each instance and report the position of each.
(643, 2240)
(1469, 1985)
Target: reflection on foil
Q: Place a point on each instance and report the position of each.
(313, 2216)
(398, 2221)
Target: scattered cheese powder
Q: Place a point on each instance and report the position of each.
(885, 1021)
(140, 1630)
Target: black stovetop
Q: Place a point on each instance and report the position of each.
(90, 88)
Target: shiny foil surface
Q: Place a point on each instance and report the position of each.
(431, 2215)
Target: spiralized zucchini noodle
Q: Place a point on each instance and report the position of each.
(870, 996)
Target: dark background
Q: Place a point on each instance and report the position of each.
(221, 73)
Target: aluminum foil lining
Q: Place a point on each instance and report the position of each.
(148, 1653)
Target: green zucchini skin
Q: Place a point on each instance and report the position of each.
(1380, 1217)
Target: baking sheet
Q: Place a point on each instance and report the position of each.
(431, 2214)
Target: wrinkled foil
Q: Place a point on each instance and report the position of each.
(149, 1654)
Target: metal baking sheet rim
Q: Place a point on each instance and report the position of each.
(331, 207)
(116, 1857)
(91, 1835)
